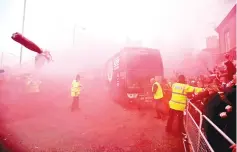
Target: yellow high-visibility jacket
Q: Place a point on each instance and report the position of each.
(159, 92)
(179, 96)
(198, 90)
(75, 89)
(33, 86)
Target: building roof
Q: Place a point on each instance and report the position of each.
(229, 15)
(211, 50)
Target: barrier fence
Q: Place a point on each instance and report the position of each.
(197, 140)
(8, 59)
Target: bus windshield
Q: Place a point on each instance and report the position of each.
(144, 61)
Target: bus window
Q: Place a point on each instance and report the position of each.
(144, 61)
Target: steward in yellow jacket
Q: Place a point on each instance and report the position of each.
(75, 92)
(178, 102)
(158, 99)
(33, 85)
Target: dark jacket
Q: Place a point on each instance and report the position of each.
(231, 69)
(212, 110)
(230, 94)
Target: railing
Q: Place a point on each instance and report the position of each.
(8, 59)
(195, 134)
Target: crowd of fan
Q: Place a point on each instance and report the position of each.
(218, 103)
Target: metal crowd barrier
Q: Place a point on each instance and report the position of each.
(8, 59)
(197, 141)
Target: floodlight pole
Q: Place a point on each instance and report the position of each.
(22, 30)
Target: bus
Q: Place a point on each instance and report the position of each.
(128, 73)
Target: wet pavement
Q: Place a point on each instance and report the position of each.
(47, 124)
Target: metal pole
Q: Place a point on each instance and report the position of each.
(74, 35)
(22, 30)
(74, 32)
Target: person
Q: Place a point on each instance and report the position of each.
(230, 94)
(31, 91)
(231, 69)
(177, 104)
(158, 98)
(33, 86)
(42, 58)
(75, 92)
(232, 82)
(166, 89)
(214, 109)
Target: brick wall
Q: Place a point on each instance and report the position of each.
(228, 24)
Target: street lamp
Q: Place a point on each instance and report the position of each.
(74, 32)
(22, 30)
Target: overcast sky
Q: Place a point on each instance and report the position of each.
(155, 23)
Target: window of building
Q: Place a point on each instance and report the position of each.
(227, 41)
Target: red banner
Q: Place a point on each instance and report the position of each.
(26, 42)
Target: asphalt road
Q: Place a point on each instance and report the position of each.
(46, 123)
